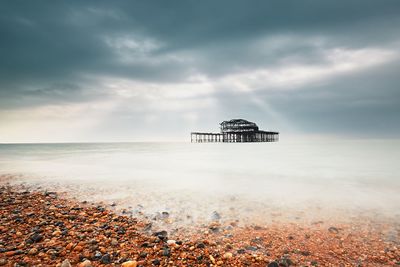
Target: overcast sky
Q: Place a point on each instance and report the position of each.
(156, 70)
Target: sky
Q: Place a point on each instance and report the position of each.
(75, 71)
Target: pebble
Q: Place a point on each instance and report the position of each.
(106, 238)
(215, 216)
(129, 264)
(78, 248)
(166, 252)
(97, 255)
(333, 230)
(161, 235)
(57, 233)
(33, 251)
(86, 263)
(251, 248)
(228, 255)
(201, 245)
(171, 242)
(212, 259)
(36, 238)
(285, 261)
(142, 254)
(10, 253)
(66, 263)
(106, 259)
(69, 246)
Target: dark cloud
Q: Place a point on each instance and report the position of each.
(364, 104)
(58, 52)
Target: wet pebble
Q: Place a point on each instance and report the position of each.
(106, 259)
(97, 255)
(215, 216)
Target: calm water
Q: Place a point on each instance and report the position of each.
(248, 180)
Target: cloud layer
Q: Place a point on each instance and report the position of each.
(100, 70)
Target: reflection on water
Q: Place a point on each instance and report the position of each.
(241, 180)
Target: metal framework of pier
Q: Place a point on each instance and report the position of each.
(235, 131)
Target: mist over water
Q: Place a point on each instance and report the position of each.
(311, 179)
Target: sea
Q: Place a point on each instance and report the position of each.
(289, 180)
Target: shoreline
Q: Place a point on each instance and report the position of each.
(44, 229)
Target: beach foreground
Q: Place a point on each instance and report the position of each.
(42, 229)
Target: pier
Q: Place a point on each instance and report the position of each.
(235, 131)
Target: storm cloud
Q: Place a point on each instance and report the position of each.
(121, 70)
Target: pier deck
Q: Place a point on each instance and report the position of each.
(234, 137)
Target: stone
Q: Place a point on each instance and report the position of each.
(142, 254)
(66, 263)
(201, 245)
(333, 230)
(156, 262)
(273, 264)
(36, 238)
(241, 251)
(285, 261)
(97, 255)
(78, 248)
(106, 259)
(57, 233)
(86, 263)
(305, 253)
(212, 259)
(164, 215)
(215, 216)
(129, 264)
(228, 255)
(171, 242)
(10, 253)
(161, 235)
(251, 248)
(69, 246)
(166, 252)
(33, 251)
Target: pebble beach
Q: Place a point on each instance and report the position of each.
(44, 228)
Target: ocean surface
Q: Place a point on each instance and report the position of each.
(251, 182)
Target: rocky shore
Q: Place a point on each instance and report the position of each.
(44, 229)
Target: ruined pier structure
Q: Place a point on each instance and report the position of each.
(236, 131)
